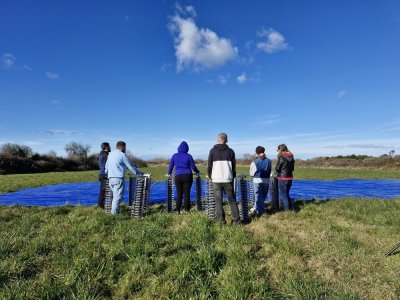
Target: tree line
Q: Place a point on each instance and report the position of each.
(15, 158)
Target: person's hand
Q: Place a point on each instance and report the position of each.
(146, 174)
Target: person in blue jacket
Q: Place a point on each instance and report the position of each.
(184, 164)
(260, 170)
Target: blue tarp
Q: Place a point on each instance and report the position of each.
(86, 193)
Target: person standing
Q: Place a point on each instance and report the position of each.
(105, 149)
(116, 166)
(284, 169)
(222, 171)
(184, 164)
(260, 170)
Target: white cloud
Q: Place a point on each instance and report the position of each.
(268, 120)
(275, 41)
(198, 48)
(8, 61)
(242, 78)
(51, 75)
(341, 94)
(56, 132)
(223, 79)
(56, 102)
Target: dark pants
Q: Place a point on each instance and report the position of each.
(102, 191)
(227, 187)
(183, 184)
(284, 190)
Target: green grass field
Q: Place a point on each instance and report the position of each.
(332, 250)
(327, 250)
(12, 183)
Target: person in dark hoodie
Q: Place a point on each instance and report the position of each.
(105, 149)
(222, 171)
(284, 169)
(260, 170)
(184, 164)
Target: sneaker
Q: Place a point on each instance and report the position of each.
(186, 212)
(236, 222)
(253, 212)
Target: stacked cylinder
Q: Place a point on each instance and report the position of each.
(241, 195)
(252, 196)
(199, 193)
(139, 195)
(169, 182)
(274, 193)
(108, 196)
(210, 199)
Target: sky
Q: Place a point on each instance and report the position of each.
(322, 77)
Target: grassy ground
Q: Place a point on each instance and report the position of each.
(11, 183)
(332, 250)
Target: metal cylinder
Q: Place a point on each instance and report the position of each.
(137, 203)
(241, 193)
(199, 193)
(252, 196)
(210, 200)
(169, 182)
(274, 193)
(108, 195)
(147, 192)
(132, 189)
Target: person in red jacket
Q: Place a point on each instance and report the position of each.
(284, 169)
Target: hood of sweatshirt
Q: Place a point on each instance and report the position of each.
(183, 147)
(287, 155)
(221, 147)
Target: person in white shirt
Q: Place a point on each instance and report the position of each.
(116, 166)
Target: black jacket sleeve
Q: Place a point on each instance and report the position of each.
(209, 164)
(278, 167)
(233, 164)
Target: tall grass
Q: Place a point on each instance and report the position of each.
(332, 250)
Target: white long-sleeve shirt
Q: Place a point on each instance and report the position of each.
(117, 164)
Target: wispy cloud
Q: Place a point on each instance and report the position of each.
(341, 94)
(51, 75)
(54, 132)
(198, 48)
(32, 143)
(242, 78)
(268, 120)
(362, 146)
(273, 41)
(223, 79)
(9, 62)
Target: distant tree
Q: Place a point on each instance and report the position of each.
(52, 153)
(391, 153)
(15, 150)
(78, 152)
(247, 156)
(138, 162)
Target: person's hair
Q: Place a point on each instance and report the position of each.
(105, 146)
(283, 148)
(121, 144)
(222, 137)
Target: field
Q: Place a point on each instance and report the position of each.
(12, 183)
(327, 250)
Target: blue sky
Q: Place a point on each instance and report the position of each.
(321, 76)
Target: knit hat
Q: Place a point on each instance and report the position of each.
(260, 149)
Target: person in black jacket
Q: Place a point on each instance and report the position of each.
(105, 149)
(222, 171)
(284, 169)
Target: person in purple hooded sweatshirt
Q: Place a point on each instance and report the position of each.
(184, 164)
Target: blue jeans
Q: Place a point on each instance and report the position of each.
(284, 190)
(260, 192)
(117, 187)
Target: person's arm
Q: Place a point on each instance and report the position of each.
(209, 164)
(253, 169)
(171, 165)
(233, 164)
(130, 165)
(269, 166)
(278, 167)
(193, 165)
(293, 165)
